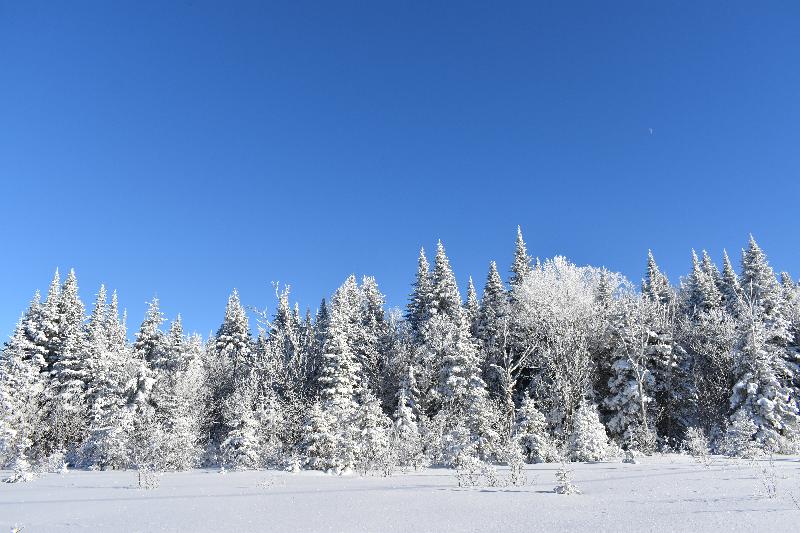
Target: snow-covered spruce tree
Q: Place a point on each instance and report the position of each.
(230, 363)
(285, 345)
(465, 399)
(320, 440)
(407, 440)
(729, 287)
(108, 357)
(275, 427)
(588, 440)
(530, 431)
(739, 438)
(492, 330)
(630, 404)
(65, 393)
(521, 265)
(655, 285)
(21, 389)
(472, 308)
(241, 448)
(373, 434)
(370, 336)
(760, 288)
(420, 303)
(759, 393)
(700, 292)
(178, 398)
(446, 297)
(340, 375)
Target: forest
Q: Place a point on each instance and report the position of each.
(558, 362)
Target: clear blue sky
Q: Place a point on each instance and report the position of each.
(186, 148)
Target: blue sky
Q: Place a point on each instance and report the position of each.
(186, 148)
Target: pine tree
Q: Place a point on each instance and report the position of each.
(701, 292)
(446, 297)
(21, 389)
(241, 448)
(407, 438)
(472, 308)
(656, 286)
(420, 303)
(730, 288)
(372, 429)
(530, 431)
(588, 441)
(758, 281)
(759, 393)
(149, 344)
(521, 266)
(491, 328)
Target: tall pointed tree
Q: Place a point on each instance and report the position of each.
(420, 302)
(521, 266)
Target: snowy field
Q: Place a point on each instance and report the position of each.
(672, 493)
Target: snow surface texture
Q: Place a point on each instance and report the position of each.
(669, 493)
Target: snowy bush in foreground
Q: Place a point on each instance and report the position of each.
(588, 441)
(564, 483)
(530, 431)
(696, 443)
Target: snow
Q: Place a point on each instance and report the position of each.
(663, 493)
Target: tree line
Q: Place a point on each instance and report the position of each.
(559, 362)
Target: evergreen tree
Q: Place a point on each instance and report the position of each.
(588, 441)
(472, 308)
(656, 286)
(241, 447)
(446, 297)
(730, 288)
(530, 431)
(21, 389)
(372, 432)
(420, 304)
(758, 281)
(491, 328)
(759, 393)
(407, 438)
(521, 266)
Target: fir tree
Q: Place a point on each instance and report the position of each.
(21, 389)
(521, 266)
(588, 441)
(730, 288)
(656, 286)
(420, 303)
(530, 431)
(759, 393)
(446, 297)
(472, 308)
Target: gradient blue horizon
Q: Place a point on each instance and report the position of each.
(184, 149)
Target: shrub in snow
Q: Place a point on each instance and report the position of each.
(739, 438)
(530, 431)
(564, 482)
(696, 444)
(588, 441)
(628, 457)
(149, 479)
(20, 471)
(294, 465)
(471, 471)
(515, 459)
(373, 450)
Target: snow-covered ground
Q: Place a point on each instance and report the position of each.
(670, 493)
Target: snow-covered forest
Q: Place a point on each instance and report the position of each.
(557, 362)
